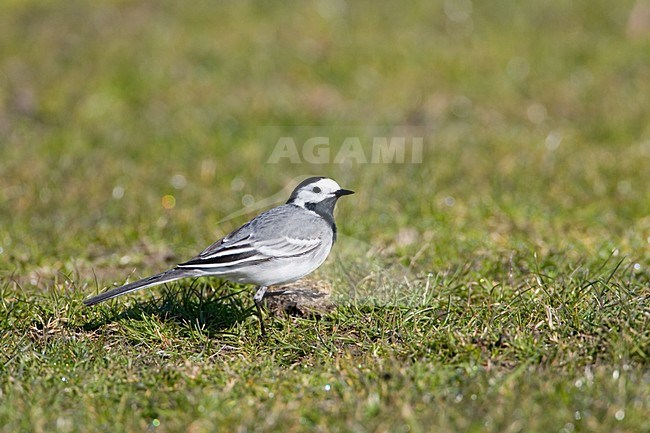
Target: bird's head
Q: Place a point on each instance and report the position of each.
(317, 193)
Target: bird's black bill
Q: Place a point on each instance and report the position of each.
(342, 192)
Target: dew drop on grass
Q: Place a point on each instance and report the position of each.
(553, 140)
(237, 184)
(247, 200)
(568, 428)
(178, 181)
(461, 106)
(168, 201)
(118, 192)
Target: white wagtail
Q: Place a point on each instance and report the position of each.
(278, 246)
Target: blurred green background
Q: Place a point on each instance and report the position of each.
(535, 122)
(129, 130)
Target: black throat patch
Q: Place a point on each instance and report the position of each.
(325, 209)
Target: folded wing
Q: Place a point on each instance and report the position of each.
(248, 251)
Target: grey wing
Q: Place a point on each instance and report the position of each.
(231, 238)
(280, 232)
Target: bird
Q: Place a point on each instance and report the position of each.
(279, 246)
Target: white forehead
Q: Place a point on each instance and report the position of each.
(326, 184)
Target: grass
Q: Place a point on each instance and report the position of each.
(501, 284)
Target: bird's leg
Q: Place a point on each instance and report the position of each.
(258, 297)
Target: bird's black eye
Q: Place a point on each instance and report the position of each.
(316, 189)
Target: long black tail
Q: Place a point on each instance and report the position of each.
(165, 277)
